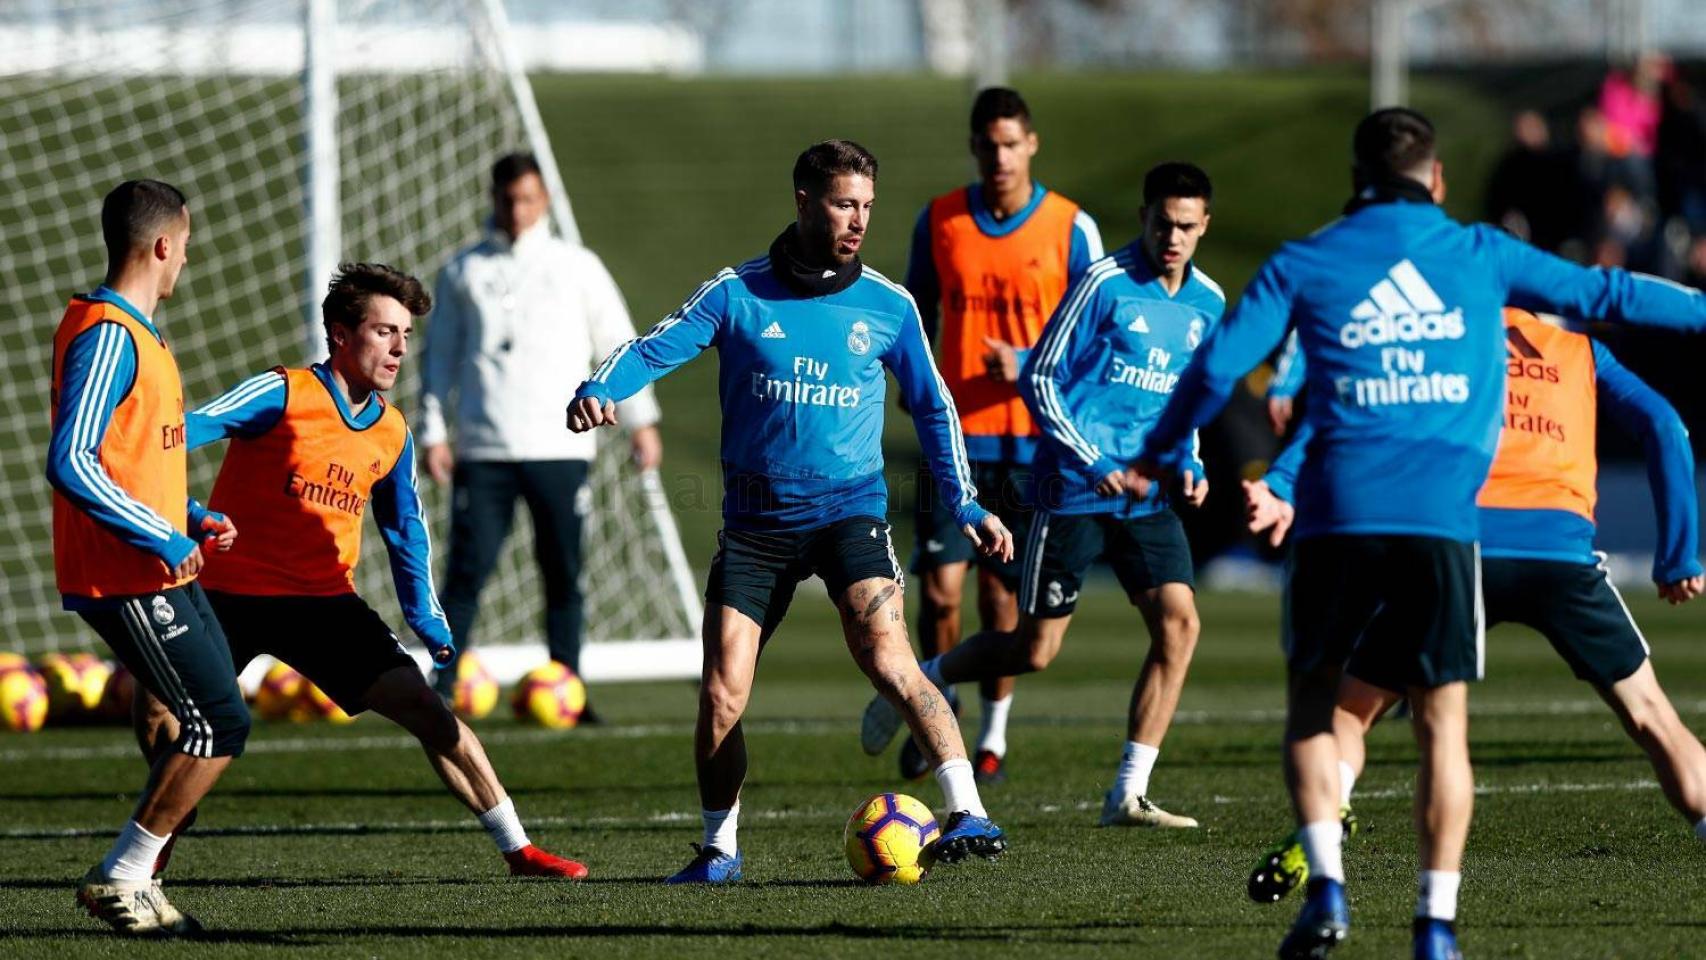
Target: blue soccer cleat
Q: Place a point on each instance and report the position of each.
(709, 865)
(1324, 921)
(968, 836)
(1435, 940)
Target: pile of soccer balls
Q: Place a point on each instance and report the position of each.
(285, 694)
(62, 688)
(550, 695)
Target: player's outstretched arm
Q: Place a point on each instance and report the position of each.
(1642, 411)
(675, 339)
(1542, 281)
(248, 409)
(401, 516)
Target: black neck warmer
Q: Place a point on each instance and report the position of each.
(788, 262)
(1391, 189)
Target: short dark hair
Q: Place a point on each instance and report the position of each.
(998, 103)
(512, 167)
(1391, 143)
(135, 212)
(354, 285)
(823, 162)
(1176, 179)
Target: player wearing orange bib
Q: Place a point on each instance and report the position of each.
(1538, 564)
(312, 453)
(122, 552)
(990, 263)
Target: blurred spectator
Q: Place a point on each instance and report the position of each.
(1680, 156)
(1527, 183)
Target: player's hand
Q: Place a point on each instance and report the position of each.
(218, 532)
(188, 566)
(1113, 484)
(991, 538)
(1264, 511)
(441, 652)
(1140, 479)
(440, 463)
(1279, 414)
(1682, 591)
(1001, 360)
(1195, 489)
(647, 447)
(586, 413)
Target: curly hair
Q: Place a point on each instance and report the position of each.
(355, 284)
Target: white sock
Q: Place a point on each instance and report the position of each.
(933, 672)
(1700, 829)
(1347, 782)
(133, 854)
(720, 828)
(1321, 847)
(993, 736)
(504, 827)
(1136, 765)
(1436, 895)
(959, 787)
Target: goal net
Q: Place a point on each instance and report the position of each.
(215, 96)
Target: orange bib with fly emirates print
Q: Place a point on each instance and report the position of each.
(1546, 458)
(298, 495)
(1002, 287)
(142, 451)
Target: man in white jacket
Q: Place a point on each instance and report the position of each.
(518, 319)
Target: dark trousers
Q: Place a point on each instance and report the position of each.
(483, 496)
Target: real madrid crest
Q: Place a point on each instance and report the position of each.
(859, 341)
(162, 611)
(1193, 334)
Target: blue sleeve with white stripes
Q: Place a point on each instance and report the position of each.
(1233, 348)
(675, 339)
(1068, 338)
(1642, 411)
(96, 374)
(1085, 249)
(402, 523)
(1288, 370)
(935, 419)
(1542, 281)
(921, 279)
(249, 409)
(1281, 477)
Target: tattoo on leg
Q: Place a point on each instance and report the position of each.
(929, 702)
(877, 601)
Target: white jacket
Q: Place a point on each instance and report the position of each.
(515, 327)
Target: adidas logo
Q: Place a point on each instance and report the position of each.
(1138, 325)
(1401, 308)
(774, 332)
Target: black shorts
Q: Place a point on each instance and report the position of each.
(1574, 606)
(173, 644)
(756, 573)
(1395, 611)
(1003, 489)
(1144, 553)
(338, 642)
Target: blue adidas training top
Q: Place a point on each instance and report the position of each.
(1397, 310)
(802, 388)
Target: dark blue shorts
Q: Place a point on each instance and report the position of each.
(1144, 553)
(338, 642)
(756, 573)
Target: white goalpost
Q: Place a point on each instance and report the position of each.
(303, 132)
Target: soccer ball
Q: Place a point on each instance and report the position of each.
(551, 696)
(888, 839)
(23, 700)
(13, 661)
(75, 683)
(475, 693)
(313, 704)
(280, 688)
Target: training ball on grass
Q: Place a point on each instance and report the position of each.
(23, 701)
(475, 692)
(313, 704)
(75, 683)
(551, 696)
(888, 837)
(280, 688)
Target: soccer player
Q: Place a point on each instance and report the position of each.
(990, 263)
(1538, 565)
(1397, 313)
(312, 450)
(123, 553)
(804, 334)
(1096, 381)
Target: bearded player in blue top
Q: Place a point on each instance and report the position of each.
(804, 335)
(1398, 313)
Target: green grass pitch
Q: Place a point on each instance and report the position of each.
(339, 842)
